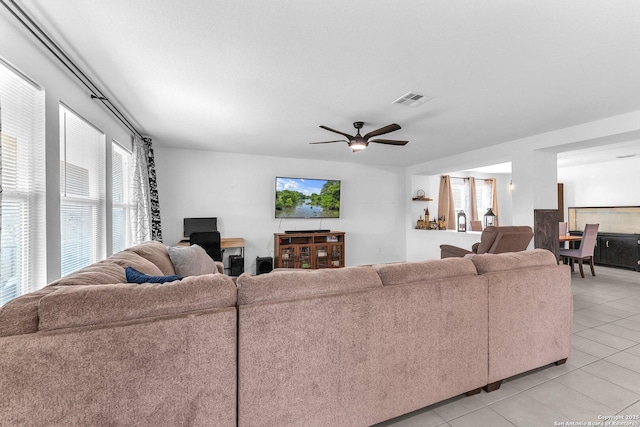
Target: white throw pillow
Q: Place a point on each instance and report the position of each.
(191, 260)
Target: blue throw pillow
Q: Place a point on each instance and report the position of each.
(134, 276)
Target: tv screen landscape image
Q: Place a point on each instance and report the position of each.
(307, 198)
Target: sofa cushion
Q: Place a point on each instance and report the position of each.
(486, 263)
(284, 285)
(99, 273)
(74, 306)
(20, 315)
(191, 261)
(134, 276)
(131, 259)
(156, 252)
(110, 270)
(424, 271)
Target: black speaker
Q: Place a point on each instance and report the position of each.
(264, 264)
(236, 264)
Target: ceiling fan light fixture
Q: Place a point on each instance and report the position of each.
(357, 146)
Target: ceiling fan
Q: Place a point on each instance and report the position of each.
(359, 142)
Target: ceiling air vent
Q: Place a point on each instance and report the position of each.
(626, 156)
(411, 99)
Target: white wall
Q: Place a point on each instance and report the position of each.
(240, 191)
(612, 183)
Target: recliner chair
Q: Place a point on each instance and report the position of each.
(209, 241)
(494, 240)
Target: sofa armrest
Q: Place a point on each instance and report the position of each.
(449, 251)
(220, 267)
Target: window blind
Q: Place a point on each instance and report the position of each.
(121, 200)
(82, 192)
(22, 239)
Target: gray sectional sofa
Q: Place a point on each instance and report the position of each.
(342, 347)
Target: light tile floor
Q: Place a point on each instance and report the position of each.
(601, 378)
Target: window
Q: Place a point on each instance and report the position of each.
(484, 196)
(461, 195)
(82, 192)
(121, 184)
(460, 191)
(22, 240)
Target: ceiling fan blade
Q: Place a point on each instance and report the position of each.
(329, 142)
(382, 130)
(389, 141)
(337, 131)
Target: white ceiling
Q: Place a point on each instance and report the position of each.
(260, 76)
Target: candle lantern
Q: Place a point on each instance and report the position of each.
(490, 218)
(462, 221)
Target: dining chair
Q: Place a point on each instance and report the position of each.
(585, 251)
(476, 225)
(563, 227)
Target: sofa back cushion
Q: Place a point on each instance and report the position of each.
(284, 285)
(424, 271)
(110, 270)
(487, 263)
(156, 252)
(73, 306)
(362, 357)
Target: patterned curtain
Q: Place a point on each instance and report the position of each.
(156, 225)
(146, 208)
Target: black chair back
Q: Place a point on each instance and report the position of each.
(209, 241)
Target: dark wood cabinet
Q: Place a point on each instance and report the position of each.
(618, 250)
(309, 250)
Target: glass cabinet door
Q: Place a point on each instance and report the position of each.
(322, 256)
(335, 252)
(305, 256)
(288, 256)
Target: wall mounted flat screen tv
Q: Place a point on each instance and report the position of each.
(307, 198)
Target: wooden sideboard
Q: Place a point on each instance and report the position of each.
(618, 243)
(309, 250)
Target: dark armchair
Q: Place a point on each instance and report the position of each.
(494, 240)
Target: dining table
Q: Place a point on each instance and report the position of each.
(570, 239)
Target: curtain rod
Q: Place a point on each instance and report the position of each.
(467, 177)
(64, 59)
